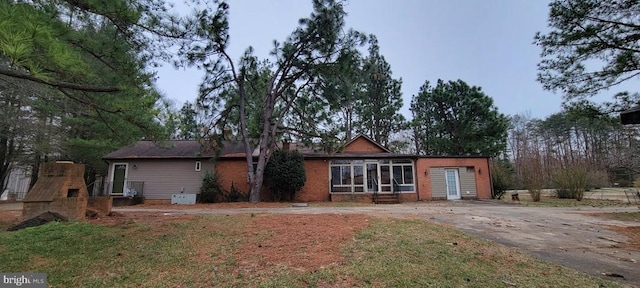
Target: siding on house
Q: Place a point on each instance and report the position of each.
(432, 186)
(467, 181)
(467, 178)
(163, 177)
(438, 183)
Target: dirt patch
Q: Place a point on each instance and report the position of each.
(153, 219)
(9, 218)
(633, 233)
(308, 242)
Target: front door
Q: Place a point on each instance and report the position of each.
(118, 179)
(453, 184)
(373, 185)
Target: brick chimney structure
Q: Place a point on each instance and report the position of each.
(60, 188)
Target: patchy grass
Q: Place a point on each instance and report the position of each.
(211, 251)
(550, 201)
(415, 253)
(624, 216)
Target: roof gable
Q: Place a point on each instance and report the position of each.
(362, 143)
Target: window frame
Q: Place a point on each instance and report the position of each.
(402, 185)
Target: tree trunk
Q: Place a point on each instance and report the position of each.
(34, 169)
(5, 161)
(264, 147)
(348, 117)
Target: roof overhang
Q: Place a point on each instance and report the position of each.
(631, 116)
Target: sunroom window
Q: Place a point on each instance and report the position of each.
(349, 176)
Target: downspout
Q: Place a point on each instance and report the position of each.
(490, 177)
(415, 171)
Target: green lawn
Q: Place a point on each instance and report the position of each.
(202, 252)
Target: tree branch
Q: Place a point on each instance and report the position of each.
(59, 84)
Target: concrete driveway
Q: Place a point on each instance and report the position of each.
(567, 236)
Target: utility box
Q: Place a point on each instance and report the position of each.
(183, 199)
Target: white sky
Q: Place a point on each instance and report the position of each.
(486, 43)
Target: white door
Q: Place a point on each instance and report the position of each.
(453, 184)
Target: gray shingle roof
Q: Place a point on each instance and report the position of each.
(176, 149)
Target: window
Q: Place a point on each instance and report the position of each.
(341, 178)
(408, 174)
(403, 175)
(198, 165)
(348, 176)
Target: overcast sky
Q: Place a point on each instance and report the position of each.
(485, 43)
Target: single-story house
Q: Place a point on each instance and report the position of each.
(362, 171)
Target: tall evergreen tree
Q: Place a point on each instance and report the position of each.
(592, 46)
(188, 126)
(92, 59)
(454, 118)
(297, 63)
(344, 88)
(377, 111)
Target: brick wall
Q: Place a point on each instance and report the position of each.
(408, 197)
(233, 171)
(481, 166)
(101, 203)
(352, 197)
(317, 186)
(157, 201)
(72, 208)
(361, 144)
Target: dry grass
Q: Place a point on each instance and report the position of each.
(273, 251)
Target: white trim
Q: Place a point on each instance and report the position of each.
(458, 195)
(112, 173)
(391, 164)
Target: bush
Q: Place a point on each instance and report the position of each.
(564, 194)
(598, 179)
(533, 178)
(502, 177)
(285, 174)
(535, 194)
(211, 191)
(571, 182)
(623, 176)
(236, 195)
